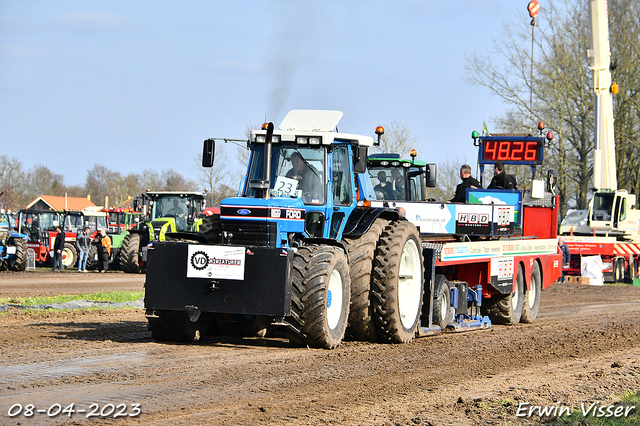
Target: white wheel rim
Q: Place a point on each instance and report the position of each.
(334, 299)
(531, 299)
(409, 284)
(67, 258)
(515, 296)
(444, 306)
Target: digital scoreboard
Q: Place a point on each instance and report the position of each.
(521, 150)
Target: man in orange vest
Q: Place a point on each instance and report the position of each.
(104, 250)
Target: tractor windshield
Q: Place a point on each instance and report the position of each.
(73, 222)
(115, 220)
(296, 171)
(173, 206)
(33, 223)
(95, 222)
(389, 182)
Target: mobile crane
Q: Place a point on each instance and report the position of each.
(610, 228)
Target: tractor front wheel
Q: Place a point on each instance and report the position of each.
(92, 258)
(19, 261)
(69, 256)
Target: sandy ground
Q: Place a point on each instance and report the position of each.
(584, 348)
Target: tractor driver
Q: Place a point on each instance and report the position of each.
(307, 175)
(177, 212)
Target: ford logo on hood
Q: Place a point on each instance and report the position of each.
(244, 212)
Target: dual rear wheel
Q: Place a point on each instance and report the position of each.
(520, 305)
(320, 296)
(387, 296)
(397, 279)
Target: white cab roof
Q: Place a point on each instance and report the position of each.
(305, 122)
(311, 120)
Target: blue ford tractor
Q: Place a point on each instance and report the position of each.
(13, 246)
(300, 249)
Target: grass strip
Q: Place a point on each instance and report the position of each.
(107, 296)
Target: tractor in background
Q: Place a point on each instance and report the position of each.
(162, 213)
(40, 228)
(13, 246)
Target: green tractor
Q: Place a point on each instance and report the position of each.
(119, 222)
(400, 179)
(163, 212)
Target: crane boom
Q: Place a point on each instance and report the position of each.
(604, 165)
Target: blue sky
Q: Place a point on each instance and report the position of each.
(134, 85)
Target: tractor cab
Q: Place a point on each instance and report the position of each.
(120, 220)
(304, 181)
(171, 211)
(399, 179)
(37, 224)
(162, 213)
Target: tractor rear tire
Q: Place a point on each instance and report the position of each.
(398, 274)
(320, 296)
(211, 228)
(361, 252)
(129, 254)
(69, 256)
(531, 302)
(173, 326)
(443, 312)
(19, 261)
(507, 308)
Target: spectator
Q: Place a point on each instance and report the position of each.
(83, 242)
(501, 180)
(566, 255)
(467, 182)
(58, 248)
(103, 243)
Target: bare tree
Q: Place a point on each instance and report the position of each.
(102, 182)
(150, 180)
(174, 181)
(41, 180)
(624, 15)
(215, 180)
(12, 180)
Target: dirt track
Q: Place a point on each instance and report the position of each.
(584, 347)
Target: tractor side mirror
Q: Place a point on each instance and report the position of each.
(208, 152)
(360, 159)
(430, 178)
